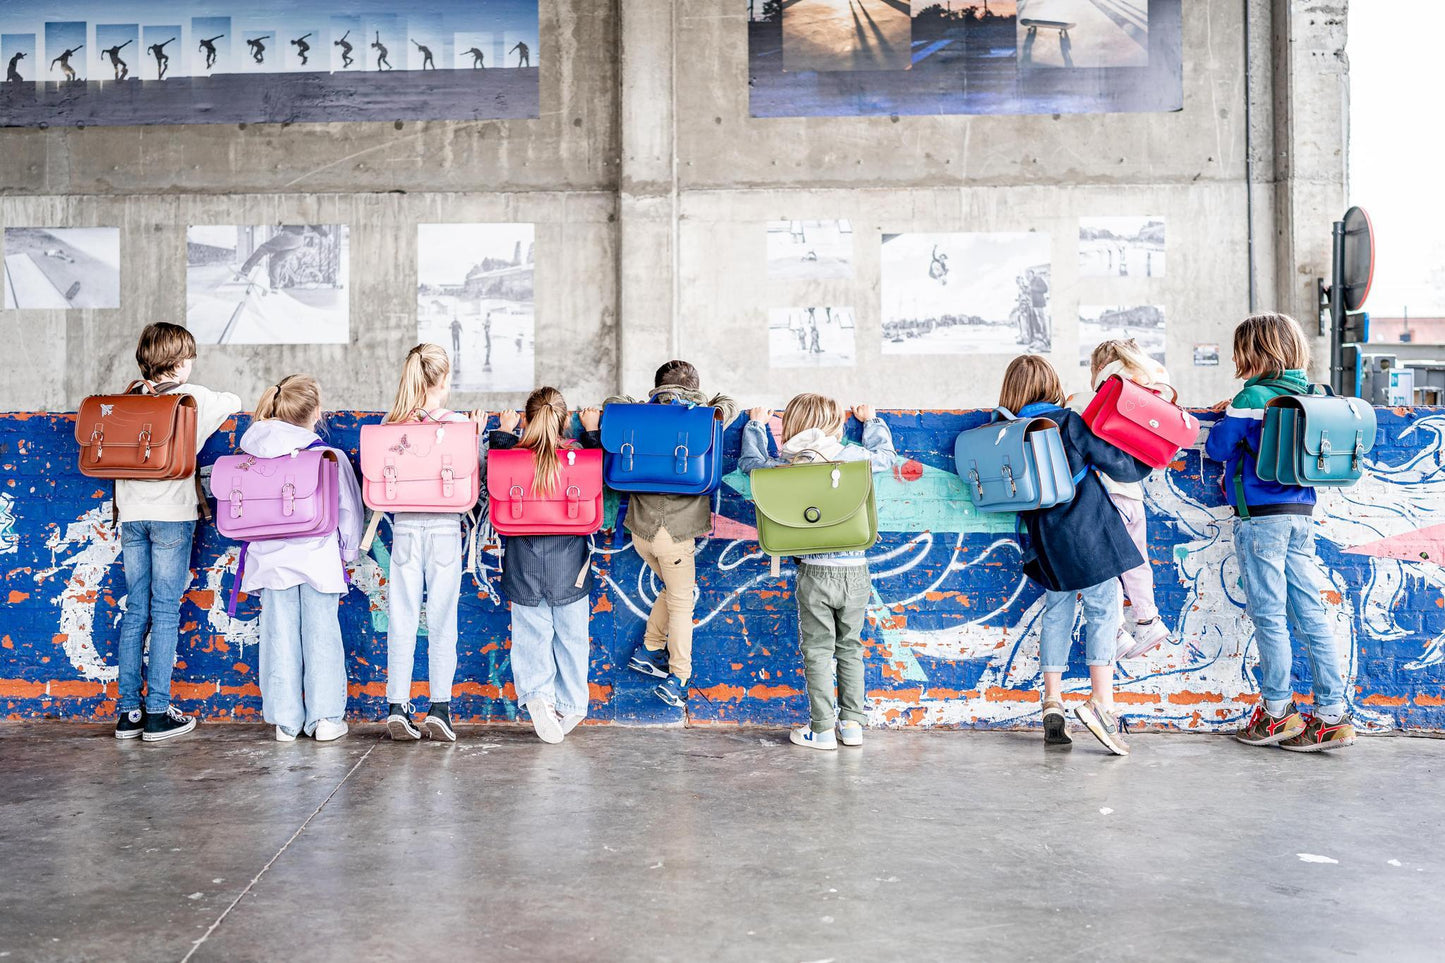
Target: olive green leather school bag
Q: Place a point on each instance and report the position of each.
(815, 507)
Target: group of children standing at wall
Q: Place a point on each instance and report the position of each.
(1083, 549)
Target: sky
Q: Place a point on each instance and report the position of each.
(446, 252)
(1396, 146)
(447, 27)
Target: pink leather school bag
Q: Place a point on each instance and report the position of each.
(420, 466)
(573, 507)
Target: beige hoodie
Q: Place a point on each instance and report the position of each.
(175, 500)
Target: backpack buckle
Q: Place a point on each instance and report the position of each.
(448, 479)
(389, 474)
(626, 451)
(97, 438)
(515, 494)
(237, 509)
(288, 499)
(680, 453)
(1325, 451)
(977, 483)
(574, 496)
(1008, 476)
(145, 438)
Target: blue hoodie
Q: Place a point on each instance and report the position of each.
(1234, 440)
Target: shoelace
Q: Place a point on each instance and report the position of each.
(174, 714)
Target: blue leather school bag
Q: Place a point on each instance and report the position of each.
(1315, 440)
(662, 448)
(1014, 464)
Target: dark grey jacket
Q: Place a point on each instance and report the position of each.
(544, 569)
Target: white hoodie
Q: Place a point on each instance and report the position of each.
(175, 500)
(1079, 402)
(316, 560)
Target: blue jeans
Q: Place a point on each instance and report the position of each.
(550, 646)
(303, 664)
(426, 560)
(157, 561)
(1101, 613)
(1283, 582)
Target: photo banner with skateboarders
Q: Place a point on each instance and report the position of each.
(475, 297)
(60, 268)
(274, 284)
(855, 58)
(113, 62)
(967, 294)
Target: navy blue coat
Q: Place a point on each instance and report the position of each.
(543, 569)
(1082, 542)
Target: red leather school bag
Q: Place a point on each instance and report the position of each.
(573, 507)
(1140, 421)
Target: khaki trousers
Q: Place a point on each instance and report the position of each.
(670, 623)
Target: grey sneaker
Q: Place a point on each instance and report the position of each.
(1106, 726)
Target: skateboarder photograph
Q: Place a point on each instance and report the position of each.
(122, 70)
(426, 57)
(64, 61)
(258, 48)
(346, 59)
(12, 70)
(798, 339)
(380, 49)
(524, 54)
(478, 58)
(208, 47)
(302, 48)
(158, 50)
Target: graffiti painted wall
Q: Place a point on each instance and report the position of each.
(951, 637)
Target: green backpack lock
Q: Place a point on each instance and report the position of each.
(816, 507)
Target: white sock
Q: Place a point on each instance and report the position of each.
(1276, 707)
(1331, 718)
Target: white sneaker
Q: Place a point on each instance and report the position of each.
(850, 733)
(326, 730)
(806, 737)
(544, 721)
(570, 722)
(283, 736)
(1146, 636)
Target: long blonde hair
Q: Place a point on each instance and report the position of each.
(546, 412)
(295, 399)
(1029, 378)
(1138, 366)
(1269, 344)
(426, 367)
(813, 411)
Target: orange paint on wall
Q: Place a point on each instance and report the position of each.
(1424, 700)
(76, 689)
(17, 597)
(1382, 700)
(1194, 698)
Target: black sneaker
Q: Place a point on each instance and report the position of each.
(438, 722)
(160, 726)
(399, 724)
(130, 724)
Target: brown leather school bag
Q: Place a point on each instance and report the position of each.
(142, 434)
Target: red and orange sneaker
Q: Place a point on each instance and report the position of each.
(1263, 729)
(1320, 736)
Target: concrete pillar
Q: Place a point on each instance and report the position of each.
(647, 193)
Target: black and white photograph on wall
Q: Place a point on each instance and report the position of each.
(1144, 323)
(475, 297)
(268, 284)
(62, 267)
(810, 250)
(815, 337)
(1206, 356)
(1079, 34)
(966, 293)
(1121, 247)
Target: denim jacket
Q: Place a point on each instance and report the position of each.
(813, 445)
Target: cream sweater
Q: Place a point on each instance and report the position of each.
(175, 500)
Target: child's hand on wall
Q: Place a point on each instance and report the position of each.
(761, 415)
(480, 417)
(864, 412)
(509, 420)
(591, 418)
(1220, 405)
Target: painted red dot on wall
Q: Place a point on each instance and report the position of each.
(909, 471)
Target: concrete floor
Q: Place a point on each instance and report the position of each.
(665, 844)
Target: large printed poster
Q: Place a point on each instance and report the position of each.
(99, 62)
(818, 58)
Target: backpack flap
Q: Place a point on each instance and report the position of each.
(288, 496)
(673, 449)
(807, 509)
(138, 436)
(1333, 436)
(999, 463)
(572, 507)
(1267, 458)
(415, 466)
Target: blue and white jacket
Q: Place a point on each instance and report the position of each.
(1234, 440)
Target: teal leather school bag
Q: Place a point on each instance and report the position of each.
(1317, 440)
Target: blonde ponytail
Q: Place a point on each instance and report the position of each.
(546, 412)
(295, 399)
(425, 368)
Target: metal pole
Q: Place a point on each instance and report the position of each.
(1337, 309)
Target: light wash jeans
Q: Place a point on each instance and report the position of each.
(303, 664)
(157, 561)
(1283, 582)
(1101, 613)
(550, 648)
(426, 558)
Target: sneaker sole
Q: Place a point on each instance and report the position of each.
(1321, 746)
(549, 736)
(402, 731)
(339, 735)
(1135, 652)
(852, 742)
(440, 730)
(1273, 740)
(133, 734)
(1056, 731)
(1091, 722)
(163, 736)
(675, 703)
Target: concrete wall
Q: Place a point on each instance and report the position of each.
(651, 186)
(951, 637)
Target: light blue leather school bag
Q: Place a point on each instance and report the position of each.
(1014, 464)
